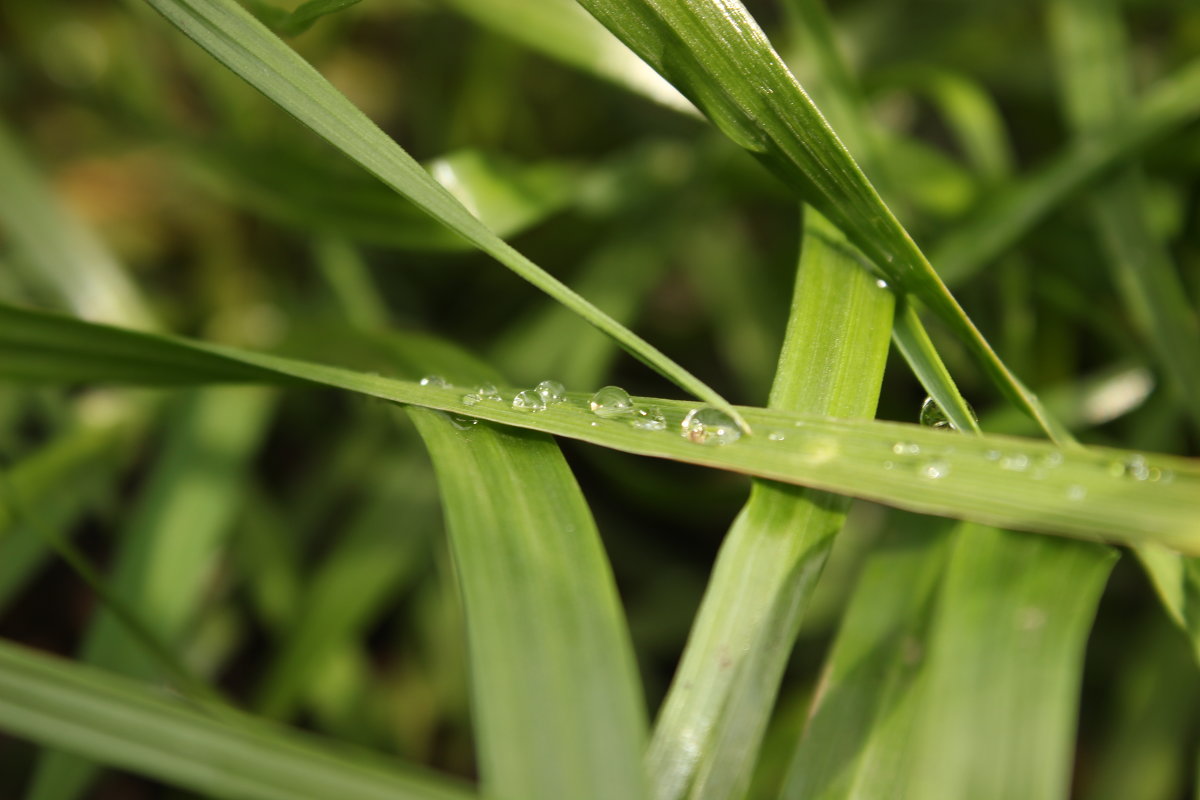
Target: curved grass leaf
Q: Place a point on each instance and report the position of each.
(715, 53)
(724, 690)
(1116, 495)
(232, 36)
(117, 722)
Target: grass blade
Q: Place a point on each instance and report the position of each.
(1019, 483)
(912, 340)
(232, 36)
(114, 721)
(556, 694)
(715, 53)
(724, 690)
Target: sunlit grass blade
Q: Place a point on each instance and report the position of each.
(716, 54)
(832, 362)
(55, 252)
(122, 724)
(563, 31)
(900, 713)
(167, 554)
(556, 697)
(1131, 497)
(973, 245)
(239, 41)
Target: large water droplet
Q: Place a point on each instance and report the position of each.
(488, 391)
(707, 425)
(436, 381)
(551, 391)
(932, 416)
(529, 400)
(611, 401)
(649, 419)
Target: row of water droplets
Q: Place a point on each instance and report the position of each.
(704, 425)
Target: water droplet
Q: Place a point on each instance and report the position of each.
(436, 381)
(776, 436)
(551, 391)
(889, 465)
(932, 416)
(906, 448)
(934, 470)
(649, 419)
(529, 400)
(470, 399)
(611, 401)
(462, 423)
(881, 283)
(1051, 460)
(1076, 492)
(708, 425)
(1018, 462)
(992, 455)
(488, 391)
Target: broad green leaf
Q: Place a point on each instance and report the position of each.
(556, 697)
(54, 252)
(715, 53)
(307, 192)
(832, 362)
(1011, 213)
(1098, 493)
(239, 41)
(563, 31)
(900, 712)
(122, 724)
(167, 553)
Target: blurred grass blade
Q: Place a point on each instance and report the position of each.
(724, 690)
(239, 41)
(918, 350)
(167, 554)
(55, 252)
(715, 53)
(292, 23)
(900, 712)
(296, 188)
(116, 722)
(1130, 497)
(973, 245)
(563, 31)
(557, 702)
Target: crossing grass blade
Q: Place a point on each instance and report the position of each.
(117, 722)
(556, 697)
(1131, 497)
(899, 712)
(706, 741)
(912, 340)
(232, 36)
(1011, 213)
(715, 53)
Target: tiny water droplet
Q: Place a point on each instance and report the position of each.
(488, 391)
(1076, 492)
(934, 470)
(611, 401)
(881, 283)
(906, 448)
(436, 381)
(932, 416)
(462, 423)
(992, 455)
(1051, 460)
(649, 419)
(776, 436)
(889, 465)
(551, 391)
(470, 399)
(1015, 463)
(710, 426)
(529, 400)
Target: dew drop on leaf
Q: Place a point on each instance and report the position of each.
(437, 381)
(611, 401)
(551, 391)
(529, 400)
(710, 426)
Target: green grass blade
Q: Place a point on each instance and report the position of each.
(236, 39)
(166, 556)
(117, 722)
(900, 712)
(973, 245)
(558, 708)
(563, 31)
(724, 690)
(55, 252)
(918, 350)
(1116, 495)
(715, 53)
